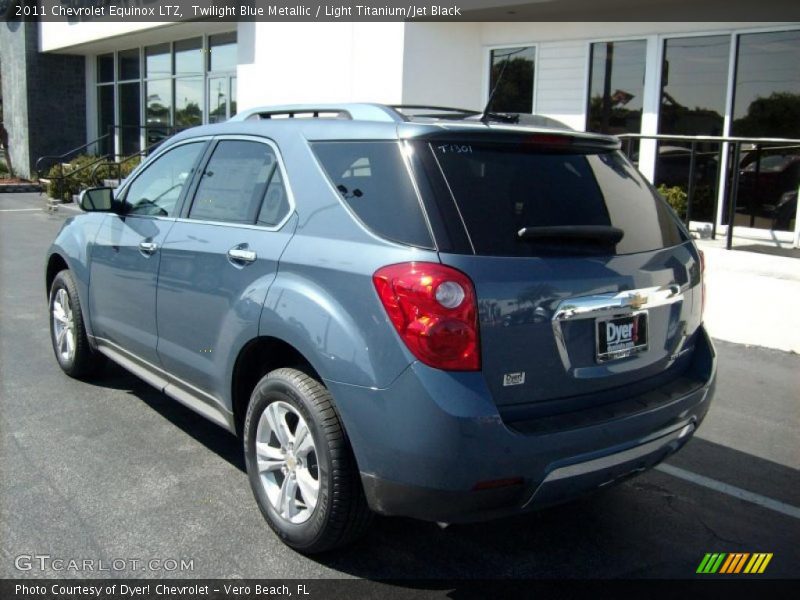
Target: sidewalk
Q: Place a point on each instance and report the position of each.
(752, 297)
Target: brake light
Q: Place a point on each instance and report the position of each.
(702, 283)
(434, 309)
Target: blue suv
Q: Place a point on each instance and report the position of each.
(411, 311)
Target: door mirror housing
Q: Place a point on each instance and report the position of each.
(99, 199)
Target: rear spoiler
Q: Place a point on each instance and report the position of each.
(521, 136)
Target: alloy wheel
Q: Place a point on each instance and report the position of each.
(287, 462)
(63, 326)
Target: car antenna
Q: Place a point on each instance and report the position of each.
(486, 115)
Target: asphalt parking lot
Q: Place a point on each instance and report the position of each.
(115, 470)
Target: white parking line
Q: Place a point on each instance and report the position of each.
(20, 209)
(731, 490)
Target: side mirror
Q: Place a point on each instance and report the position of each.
(99, 199)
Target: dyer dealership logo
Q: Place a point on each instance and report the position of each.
(734, 563)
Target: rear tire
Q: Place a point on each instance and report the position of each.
(67, 331)
(300, 464)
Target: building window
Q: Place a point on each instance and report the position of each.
(513, 68)
(146, 94)
(616, 86)
(767, 91)
(222, 55)
(694, 85)
(767, 104)
(105, 68)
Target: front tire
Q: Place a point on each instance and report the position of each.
(67, 332)
(300, 464)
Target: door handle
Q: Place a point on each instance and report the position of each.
(241, 255)
(148, 248)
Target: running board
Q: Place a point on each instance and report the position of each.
(177, 389)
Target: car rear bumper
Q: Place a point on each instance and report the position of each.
(433, 445)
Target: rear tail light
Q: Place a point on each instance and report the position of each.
(702, 283)
(434, 309)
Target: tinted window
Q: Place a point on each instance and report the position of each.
(276, 201)
(157, 61)
(502, 189)
(157, 189)
(189, 57)
(767, 93)
(373, 179)
(234, 182)
(616, 87)
(515, 90)
(105, 68)
(222, 52)
(129, 64)
(694, 81)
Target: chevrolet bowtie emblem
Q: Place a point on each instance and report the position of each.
(637, 301)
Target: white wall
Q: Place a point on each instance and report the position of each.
(320, 62)
(560, 89)
(61, 36)
(443, 65)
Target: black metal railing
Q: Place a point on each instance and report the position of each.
(63, 180)
(732, 169)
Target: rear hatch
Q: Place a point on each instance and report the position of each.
(588, 286)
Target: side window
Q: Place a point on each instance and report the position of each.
(235, 182)
(276, 202)
(373, 180)
(157, 189)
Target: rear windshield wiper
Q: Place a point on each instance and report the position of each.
(600, 234)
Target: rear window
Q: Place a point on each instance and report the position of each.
(500, 189)
(373, 179)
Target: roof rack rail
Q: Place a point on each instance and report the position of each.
(354, 112)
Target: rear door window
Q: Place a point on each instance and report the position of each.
(374, 181)
(234, 183)
(500, 189)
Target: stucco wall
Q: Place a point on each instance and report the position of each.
(319, 62)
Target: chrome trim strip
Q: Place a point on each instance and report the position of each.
(612, 460)
(185, 393)
(609, 305)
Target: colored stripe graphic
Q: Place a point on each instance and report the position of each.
(758, 563)
(733, 563)
(711, 563)
(729, 562)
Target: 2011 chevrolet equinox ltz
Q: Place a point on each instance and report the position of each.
(421, 312)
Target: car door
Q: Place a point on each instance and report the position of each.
(127, 252)
(218, 262)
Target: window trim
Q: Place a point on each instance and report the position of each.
(183, 214)
(487, 71)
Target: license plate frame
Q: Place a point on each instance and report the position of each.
(629, 336)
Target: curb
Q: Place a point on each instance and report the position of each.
(12, 188)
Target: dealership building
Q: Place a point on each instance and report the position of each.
(66, 84)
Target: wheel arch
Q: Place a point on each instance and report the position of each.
(258, 357)
(55, 264)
